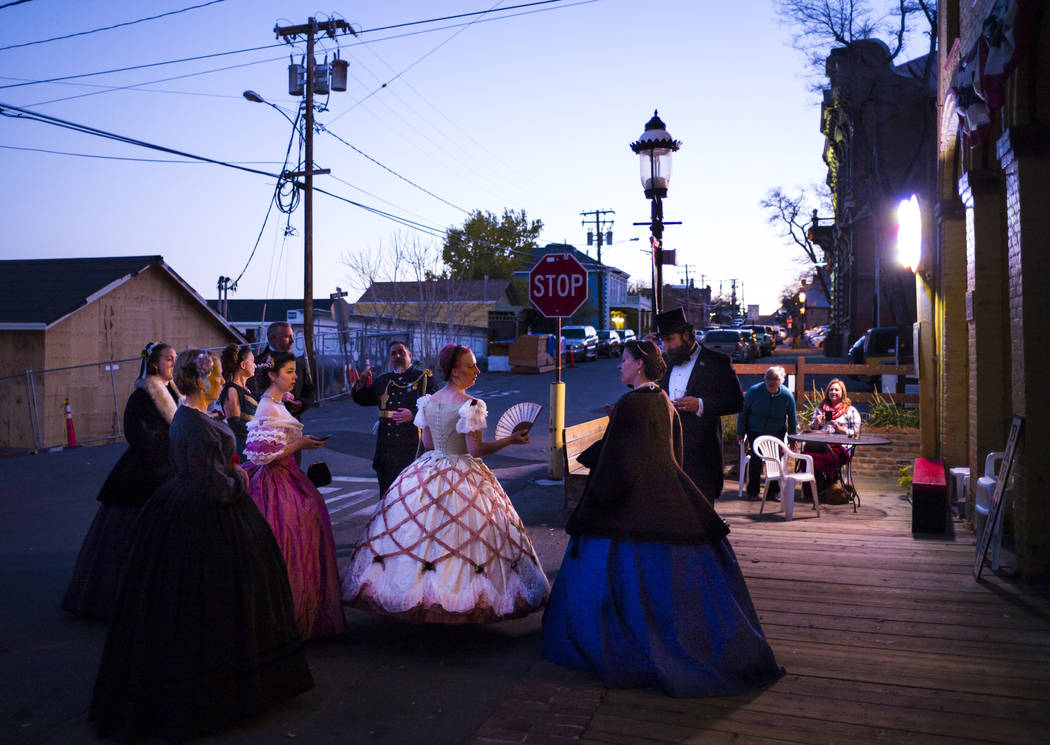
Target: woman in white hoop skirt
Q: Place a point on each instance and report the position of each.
(445, 544)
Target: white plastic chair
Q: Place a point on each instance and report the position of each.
(778, 459)
(745, 459)
(983, 504)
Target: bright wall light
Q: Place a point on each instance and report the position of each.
(909, 233)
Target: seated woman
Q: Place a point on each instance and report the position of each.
(649, 592)
(445, 544)
(834, 415)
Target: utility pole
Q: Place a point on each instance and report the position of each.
(224, 297)
(686, 268)
(601, 225)
(289, 33)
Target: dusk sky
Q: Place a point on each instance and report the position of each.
(532, 109)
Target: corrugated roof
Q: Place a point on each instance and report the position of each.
(463, 290)
(41, 291)
(247, 310)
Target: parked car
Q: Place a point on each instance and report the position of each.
(580, 341)
(729, 342)
(609, 343)
(765, 340)
(883, 344)
(774, 335)
(752, 340)
(816, 335)
(627, 335)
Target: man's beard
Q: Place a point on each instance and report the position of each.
(681, 354)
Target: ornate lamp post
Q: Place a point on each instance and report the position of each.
(654, 150)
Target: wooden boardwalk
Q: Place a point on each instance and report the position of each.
(886, 638)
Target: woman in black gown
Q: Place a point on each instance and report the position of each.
(649, 592)
(204, 629)
(236, 401)
(143, 467)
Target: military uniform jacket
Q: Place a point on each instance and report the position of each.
(396, 444)
(714, 381)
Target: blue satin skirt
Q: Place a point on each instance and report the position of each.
(677, 618)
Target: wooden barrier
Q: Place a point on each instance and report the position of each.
(835, 369)
(578, 438)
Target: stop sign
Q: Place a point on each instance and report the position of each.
(558, 285)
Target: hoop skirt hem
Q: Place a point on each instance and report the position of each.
(445, 545)
(204, 627)
(673, 617)
(92, 591)
(297, 513)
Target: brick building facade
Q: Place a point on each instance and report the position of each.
(878, 121)
(984, 284)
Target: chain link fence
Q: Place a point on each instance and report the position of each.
(33, 402)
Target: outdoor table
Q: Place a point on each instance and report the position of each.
(844, 473)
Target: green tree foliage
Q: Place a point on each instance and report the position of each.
(490, 246)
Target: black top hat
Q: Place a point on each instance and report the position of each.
(672, 322)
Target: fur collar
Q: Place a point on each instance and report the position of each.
(161, 395)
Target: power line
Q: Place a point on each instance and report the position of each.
(140, 67)
(391, 170)
(459, 15)
(16, 2)
(109, 28)
(162, 63)
(443, 43)
(85, 129)
(117, 157)
(133, 86)
(273, 198)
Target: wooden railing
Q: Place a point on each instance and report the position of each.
(838, 369)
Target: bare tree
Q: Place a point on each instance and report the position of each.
(820, 25)
(795, 217)
(411, 288)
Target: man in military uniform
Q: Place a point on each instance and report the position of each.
(396, 394)
(703, 387)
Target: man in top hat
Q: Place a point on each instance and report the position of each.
(396, 394)
(703, 387)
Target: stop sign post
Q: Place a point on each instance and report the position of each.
(558, 288)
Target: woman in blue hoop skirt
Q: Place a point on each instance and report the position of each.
(649, 593)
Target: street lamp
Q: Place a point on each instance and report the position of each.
(256, 98)
(802, 315)
(654, 150)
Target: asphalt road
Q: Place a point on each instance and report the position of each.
(383, 683)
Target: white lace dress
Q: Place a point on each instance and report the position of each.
(445, 544)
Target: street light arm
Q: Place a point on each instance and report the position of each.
(256, 98)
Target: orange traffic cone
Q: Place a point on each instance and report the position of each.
(71, 433)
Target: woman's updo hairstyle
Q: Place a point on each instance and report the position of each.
(151, 358)
(232, 357)
(192, 368)
(447, 358)
(276, 362)
(653, 365)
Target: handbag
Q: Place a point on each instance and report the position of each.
(319, 474)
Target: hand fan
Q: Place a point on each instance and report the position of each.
(518, 417)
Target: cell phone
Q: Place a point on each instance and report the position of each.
(322, 438)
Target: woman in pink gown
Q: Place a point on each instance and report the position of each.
(293, 507)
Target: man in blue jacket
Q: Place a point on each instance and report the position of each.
(769, 409)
